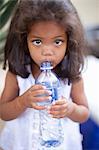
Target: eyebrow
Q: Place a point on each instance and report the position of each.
(35, 36)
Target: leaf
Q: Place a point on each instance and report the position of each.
(3, 36)
(4, 6)
(7, 13)
(1, 3)
(1, 57)
(2, 44)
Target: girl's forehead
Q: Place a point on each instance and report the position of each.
(47, 28)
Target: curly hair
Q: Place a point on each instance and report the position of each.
(26, 13)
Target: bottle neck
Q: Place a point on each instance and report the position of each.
(46, 70)
(46, 66)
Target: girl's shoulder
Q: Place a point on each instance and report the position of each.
(25, 83)
(78, 93)
(11, 80)
(11, 86)
(77, 85)
(78, 82)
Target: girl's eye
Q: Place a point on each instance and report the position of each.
(37, 42)
(58, 42)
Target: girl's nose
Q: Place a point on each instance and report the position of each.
(47, 51)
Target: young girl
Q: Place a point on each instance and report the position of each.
(43, 30)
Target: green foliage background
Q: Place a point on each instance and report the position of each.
(6, 11)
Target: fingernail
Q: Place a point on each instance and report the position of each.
(50, 115)
(53, 103)
(44, 87)
(48, 107)
(50, 98)
(48, 111)
(50, 92)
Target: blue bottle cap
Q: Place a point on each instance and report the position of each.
(46, 65)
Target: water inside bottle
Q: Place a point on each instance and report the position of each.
(51, 143)
(50, 131)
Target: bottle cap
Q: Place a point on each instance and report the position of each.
(46, 65)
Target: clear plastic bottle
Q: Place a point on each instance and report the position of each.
(51, 132)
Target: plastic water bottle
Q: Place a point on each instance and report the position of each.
(51, 132)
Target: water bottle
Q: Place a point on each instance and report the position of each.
(51, 132)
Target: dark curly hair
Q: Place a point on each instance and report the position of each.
(26, 13)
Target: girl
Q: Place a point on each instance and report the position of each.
(42, 30)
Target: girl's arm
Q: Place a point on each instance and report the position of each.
(81, 111)
(12, 105)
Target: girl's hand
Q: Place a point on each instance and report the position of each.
(62, 108)
(36, 94)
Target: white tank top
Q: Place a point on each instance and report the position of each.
(18, 134)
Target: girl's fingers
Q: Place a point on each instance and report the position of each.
(59, 102)
(37, 87)
(39, 90)
(58, 105)
(35, 106)
(59, 109)
(41, 99)
(36, 94)
(58, 116)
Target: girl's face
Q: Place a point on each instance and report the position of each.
(47, 41)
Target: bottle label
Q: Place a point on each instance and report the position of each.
(56, 94)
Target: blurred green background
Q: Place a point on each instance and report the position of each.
(6, 10)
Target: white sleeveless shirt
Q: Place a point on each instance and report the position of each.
(19, 134)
